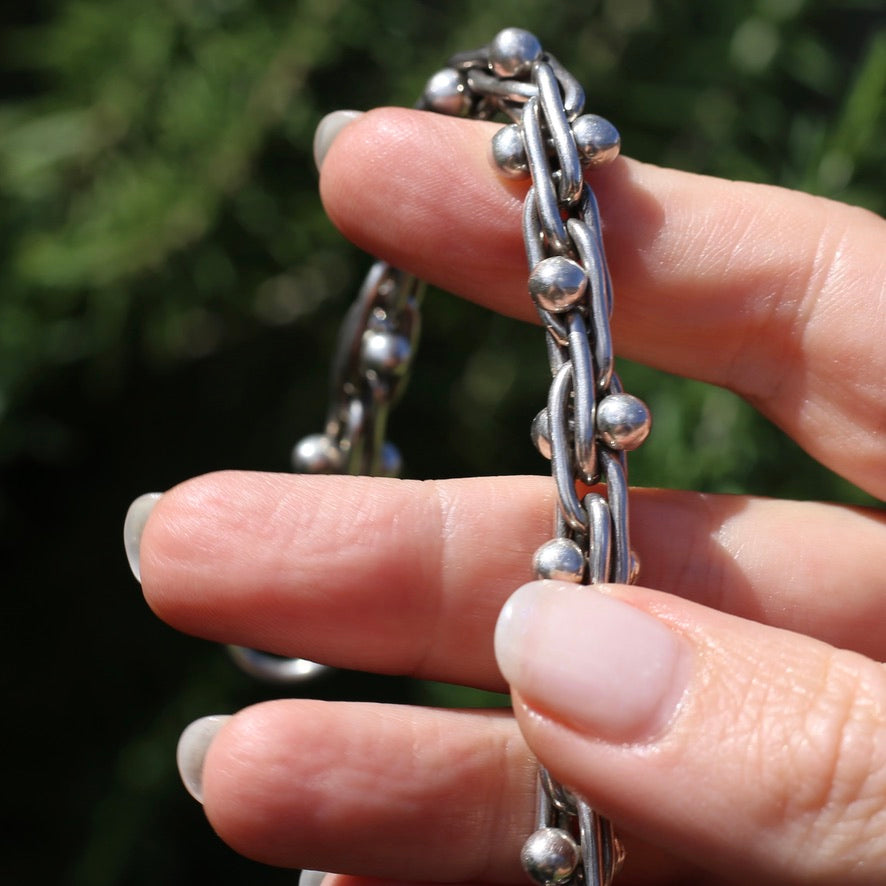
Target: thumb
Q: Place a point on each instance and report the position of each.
(751, 750)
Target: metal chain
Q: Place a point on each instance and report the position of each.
(589, 422)
(376, 344)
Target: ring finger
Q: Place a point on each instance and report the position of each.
(405, 577)
(381, 791)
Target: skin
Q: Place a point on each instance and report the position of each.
(773, 765)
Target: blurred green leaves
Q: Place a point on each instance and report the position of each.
(169, 291)
(157, 177)
(151, 120)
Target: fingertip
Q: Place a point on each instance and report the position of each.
(406, 185)
(592, 661)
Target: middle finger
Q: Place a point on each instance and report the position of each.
(409, 577)
(380, 790)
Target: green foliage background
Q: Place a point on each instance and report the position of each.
(169, 293)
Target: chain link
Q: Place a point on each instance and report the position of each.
(588, 423)
(376, 344)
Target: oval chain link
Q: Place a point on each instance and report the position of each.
(588, 423)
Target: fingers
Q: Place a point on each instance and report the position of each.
(379, 575)
(407, 577)
(805, 566)
(772, 293)
(755, 749)
(373, 789)
(383, 791)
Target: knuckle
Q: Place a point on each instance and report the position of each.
(829, 777)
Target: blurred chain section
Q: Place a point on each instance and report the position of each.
(589, 422)
(376, 344)
(375, 348)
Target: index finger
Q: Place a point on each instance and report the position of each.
(775, 294)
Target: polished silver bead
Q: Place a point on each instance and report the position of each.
(390, 463)
(623, 421)
(550, 856)
(557, 283)
(385, 353)
(317, 454)
(540, 432)
(597, 140)
(512, 52)
(560, 559)
(509, 152)
(274, 668)
(447, 93)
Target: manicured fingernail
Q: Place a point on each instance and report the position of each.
(327, 129)
(134, 525)
(591, 661)
(311, 878)
(192, 748)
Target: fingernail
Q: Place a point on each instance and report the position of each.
(327, 129)
(192, 748)
(134, 525)
(311, 878)
(592, 661)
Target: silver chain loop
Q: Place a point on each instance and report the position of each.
(589, 422)
(376, 344)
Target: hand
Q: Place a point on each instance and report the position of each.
(730, 722)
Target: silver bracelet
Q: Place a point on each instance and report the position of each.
(588, 423)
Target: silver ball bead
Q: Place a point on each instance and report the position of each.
(540, 432)
(512, 52)
(550, 856)
(390, 463)
(509, 152)
(560, 559)
(385, 353)
(317, 454)
(623, 421)
(597, 140)
(447, 93)
(557, 283)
